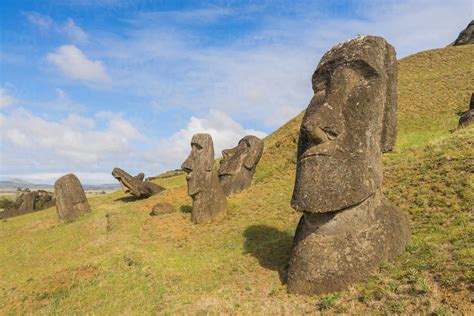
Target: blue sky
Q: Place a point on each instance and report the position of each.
(87, 85)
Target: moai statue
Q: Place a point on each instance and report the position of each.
(348, 227)
(239, 163)
(467, 118)
(27, 201)
(71, 201)
(135, 184)
(209, 201)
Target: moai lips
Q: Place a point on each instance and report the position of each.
(238, 164)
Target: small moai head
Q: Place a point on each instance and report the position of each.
(199, 164)
(238, 164)
(246, 154)
(349, 122)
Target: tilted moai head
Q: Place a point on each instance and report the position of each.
(349, 122)
(203, 184)
(71, 201)
(238, 164)
(135, 184)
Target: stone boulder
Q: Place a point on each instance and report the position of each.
(71, 201)
(209, 201)
(135, 184)
(467, 118)
(466, 36)
(30, 201)
(162, 209)
(348, 228)
(238, 164)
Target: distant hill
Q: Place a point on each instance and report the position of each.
(12, 185)
(120, 260)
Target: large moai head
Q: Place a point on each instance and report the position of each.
(135, 184)
(239, 163)
(349, 122)
(71, 201)
(200, 163)
(203, 184)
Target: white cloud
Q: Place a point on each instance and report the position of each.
(44, 22)
(5, 99)
(74, 64)
(263, 75)
(73, 32)
(170, 152)
(79, 144)
(69, 28)
(75, 138)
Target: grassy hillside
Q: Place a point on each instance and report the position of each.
(118, 259)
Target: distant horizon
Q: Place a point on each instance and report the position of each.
(50, 181)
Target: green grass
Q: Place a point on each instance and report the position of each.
(120, 260)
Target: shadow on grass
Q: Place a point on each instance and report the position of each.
(186, 209)
(270, 246)
(129, 199)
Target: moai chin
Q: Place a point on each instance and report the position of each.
(135, 184)
(209, 201)
(238, 164)
(347, 227)
(71, 201)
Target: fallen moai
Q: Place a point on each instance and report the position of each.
(28, 201)
(348, 227)
(209, 201)
(135, 184)
(238, 164)
(71, 201)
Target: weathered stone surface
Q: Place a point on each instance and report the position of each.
(30, 201)
(466, 36)
(161, 209)
(135, 184)
(467, 118)
(71, 201)
(238, 164)
(347, 227)
(209, 201)
(45, 200)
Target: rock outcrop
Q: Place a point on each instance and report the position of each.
(238, 164)
(71, 201)
(209, 201)
(466, 36)
(135, 184)
(467, 118)
(348, 227)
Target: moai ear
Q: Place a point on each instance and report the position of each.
(254, 156)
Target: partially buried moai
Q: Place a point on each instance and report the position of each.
(238, 164)
(135, 184)
(348, 227)
(209, 201)
(71, 201)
